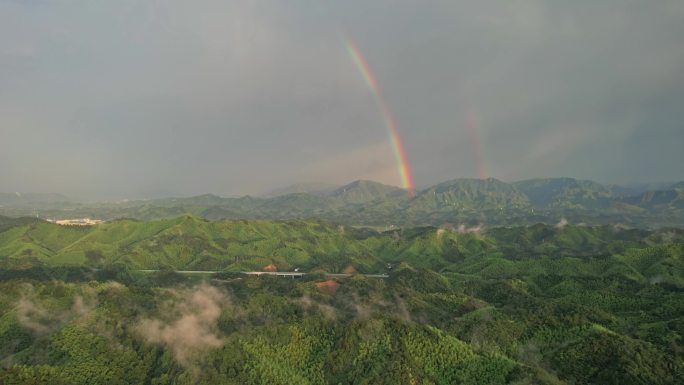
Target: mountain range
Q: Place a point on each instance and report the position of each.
(459, 201)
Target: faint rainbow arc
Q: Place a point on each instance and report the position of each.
(476, 141)
(395, 139)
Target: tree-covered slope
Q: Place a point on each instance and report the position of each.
(565, 192)
(192, 243)
(485, 319)
(663, 199)
(470, 194)
(185, 242)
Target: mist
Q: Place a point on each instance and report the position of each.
(148, 98)
(194, 329)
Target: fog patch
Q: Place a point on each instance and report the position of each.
(34, 317)
(460, 229)
(114, 285)
(358, 306)
(463, 229)
(308, 303)
(363, 312)
(39, 319)
(668, 237)
(656, 279)
(562, 223)
(401, 309)
(373, 307)
(194, 327)
(82, 307)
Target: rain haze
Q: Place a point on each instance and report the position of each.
(104, 99)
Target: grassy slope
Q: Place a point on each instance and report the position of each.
(189, 242)
(186, 242)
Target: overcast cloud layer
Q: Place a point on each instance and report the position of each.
(108, 98)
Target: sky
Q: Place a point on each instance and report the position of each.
(168, 97)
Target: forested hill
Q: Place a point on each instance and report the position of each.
(193, 243)
(472, 201)
(534, 304)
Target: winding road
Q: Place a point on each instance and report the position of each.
(293, 274)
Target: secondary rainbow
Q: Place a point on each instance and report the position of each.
(476, 142)
(395, 140)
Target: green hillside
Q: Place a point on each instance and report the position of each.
(534, 304)
(665, 199)
(193, 243)
(470, 194)
(565, 192)
(185, 242)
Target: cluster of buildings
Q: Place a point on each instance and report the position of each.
(76, 222)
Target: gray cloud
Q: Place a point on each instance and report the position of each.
(233, 97)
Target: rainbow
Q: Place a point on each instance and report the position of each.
(476, 142)
(397, 145)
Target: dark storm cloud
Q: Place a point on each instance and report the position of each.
(232, 97)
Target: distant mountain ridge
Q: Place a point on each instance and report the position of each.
(564, 192)
(464, 200)
(19, 198)
(362, 191)
(670, 198)
(307, 188)
(472, 194)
